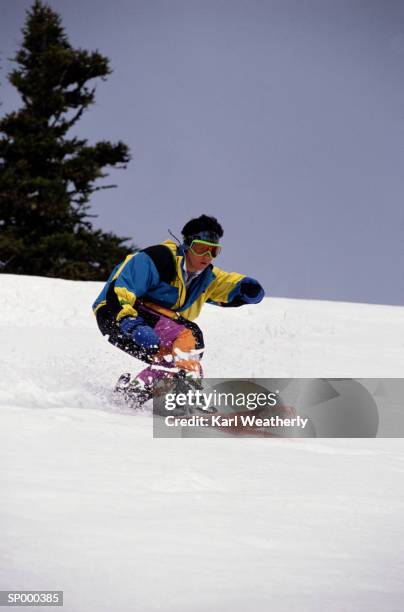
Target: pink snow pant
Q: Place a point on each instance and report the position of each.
(181, 346)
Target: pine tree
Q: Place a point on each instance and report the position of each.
(47, 178)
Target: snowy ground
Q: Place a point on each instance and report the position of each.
(93, 505)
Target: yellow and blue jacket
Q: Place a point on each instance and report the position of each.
(156, 275)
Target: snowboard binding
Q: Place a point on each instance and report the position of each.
(135, 393)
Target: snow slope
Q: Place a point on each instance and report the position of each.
(93, 505)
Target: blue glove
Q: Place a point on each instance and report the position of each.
(251, 291)
(143, 335)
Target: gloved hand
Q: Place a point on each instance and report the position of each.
(143, 335)
(251, 291)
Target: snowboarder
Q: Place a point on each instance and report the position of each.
(148, 305)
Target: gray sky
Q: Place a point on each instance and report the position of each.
(283, 118)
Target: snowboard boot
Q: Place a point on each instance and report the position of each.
(134, 393)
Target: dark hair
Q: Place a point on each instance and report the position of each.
(202, 224)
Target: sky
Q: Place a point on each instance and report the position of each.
(282, 118)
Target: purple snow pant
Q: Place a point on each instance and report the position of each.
(181, 346)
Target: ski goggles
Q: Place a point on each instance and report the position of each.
(203, 247)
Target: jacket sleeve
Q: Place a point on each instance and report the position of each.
(233, 289)
(134, 278)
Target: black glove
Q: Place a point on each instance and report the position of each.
(250, 289)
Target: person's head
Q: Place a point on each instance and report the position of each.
(201, 238)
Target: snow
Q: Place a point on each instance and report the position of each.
(93, 505)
